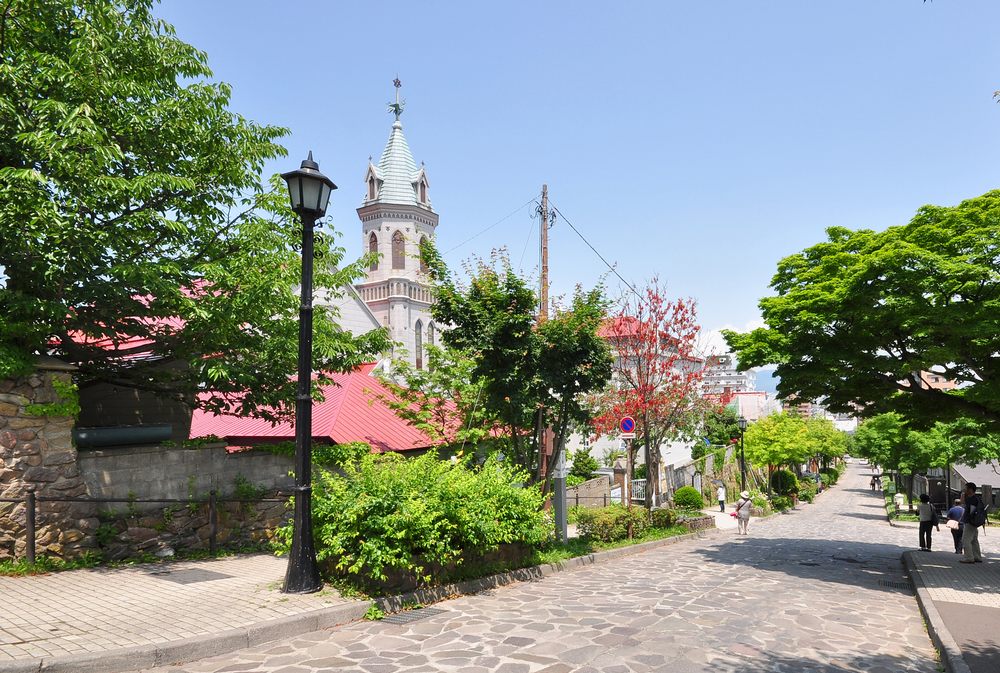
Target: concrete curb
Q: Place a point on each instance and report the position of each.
(951, 655)
(210, 645)
(190, 649)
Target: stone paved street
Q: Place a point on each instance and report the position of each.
(821, 589)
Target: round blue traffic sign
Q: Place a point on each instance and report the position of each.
(627, 424)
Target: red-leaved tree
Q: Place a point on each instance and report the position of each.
(657, 376)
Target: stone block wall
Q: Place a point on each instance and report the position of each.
(36, 453)
(170, 528)
(179, 472)
(591, 493)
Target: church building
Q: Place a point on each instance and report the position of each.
(396, 216)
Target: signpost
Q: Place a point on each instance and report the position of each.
(627, 426)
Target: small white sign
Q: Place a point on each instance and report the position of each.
(627, 435)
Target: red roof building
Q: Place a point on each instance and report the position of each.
(351, 411)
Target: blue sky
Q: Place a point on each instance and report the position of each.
(699, 141)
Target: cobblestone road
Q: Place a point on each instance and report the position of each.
(821, 589)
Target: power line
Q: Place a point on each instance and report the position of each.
(501, 220)
(599, 255)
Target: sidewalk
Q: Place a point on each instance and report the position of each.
(145, 616)
(961, 604)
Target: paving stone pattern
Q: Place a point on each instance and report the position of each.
(819, 589)
(80, 612)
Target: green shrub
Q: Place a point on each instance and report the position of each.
(832, 473)
(825, 480)
(781, 502)
(807, 490)
(387, 512)
(760, 502)
(609, 524)
(784, 482)
(688, 497)
(639, 472)
(574, 480)
(662, 518)
(584, 465)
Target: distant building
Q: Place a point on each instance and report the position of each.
(721, 377)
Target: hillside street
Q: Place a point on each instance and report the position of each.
(819, 589)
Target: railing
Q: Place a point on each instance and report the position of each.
(638, 490)
(31, 501)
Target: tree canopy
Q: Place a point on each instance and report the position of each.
(135, 228)
(524, 366)
(657, 375)
(860, 319)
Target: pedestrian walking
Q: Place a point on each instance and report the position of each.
(722, 498)
(743, 507)
(955, 524)
(928, 520)
(872, 483)
(972, 519)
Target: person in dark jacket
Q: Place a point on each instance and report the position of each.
(970, 533)
(955, 514)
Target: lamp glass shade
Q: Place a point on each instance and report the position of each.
(308, 189)
(742, 422)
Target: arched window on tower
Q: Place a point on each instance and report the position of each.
(373, 249)
(430, 340)
(371, 188)
(423, 262)
(423, 192)
(398, 251)
(418, 343)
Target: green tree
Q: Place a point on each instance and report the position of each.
(134, 225)
(860, 319)
(824, 441)
(533, 375)
(720, 429)
(584, 464)
(443, 399)
(776, 440)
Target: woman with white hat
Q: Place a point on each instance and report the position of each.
(743, 507)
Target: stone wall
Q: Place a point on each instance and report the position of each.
(36, 453)
(180, 472)
(591, 493)
(126, 532)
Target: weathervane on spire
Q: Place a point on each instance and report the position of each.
(397, 107)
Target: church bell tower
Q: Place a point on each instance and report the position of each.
(396, 215)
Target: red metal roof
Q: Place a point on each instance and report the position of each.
(350, 412)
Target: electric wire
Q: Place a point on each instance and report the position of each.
(524, 250)
(498, 222)
(599, 255)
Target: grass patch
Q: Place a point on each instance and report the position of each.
(46, 564)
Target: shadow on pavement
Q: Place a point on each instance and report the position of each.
(855, 563)
(863, 515)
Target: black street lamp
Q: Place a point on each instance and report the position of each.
(742, 422)
(309, 191)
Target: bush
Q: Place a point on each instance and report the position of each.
(584, 465)
(662, 518)
(807, 490)
(386, 512)
(831, 472)
(760, 503)
(780, 503)
(784, 482)
(825, 480)
(609, 524)
(688, 497)
(574, 480)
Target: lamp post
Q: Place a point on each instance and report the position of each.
(742, 422)
(309, 191)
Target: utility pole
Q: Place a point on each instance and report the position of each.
(559, 472)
